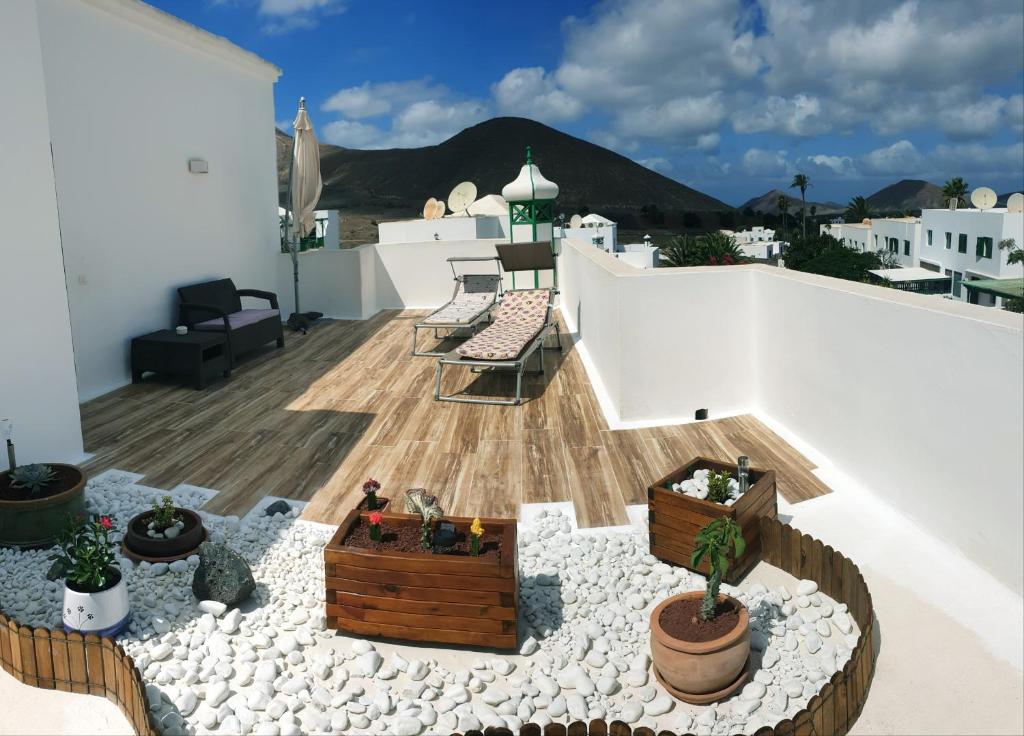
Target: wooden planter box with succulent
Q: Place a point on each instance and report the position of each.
(164, 533)
(422, 577)
(688, 499)
(36, 501)
(370, 500)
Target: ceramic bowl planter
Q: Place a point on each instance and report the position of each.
(140, 546)
(701, 672)
(104, 612)
(36, 521)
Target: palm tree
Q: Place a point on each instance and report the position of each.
(783, 204)
(802, 181)
(858, 209)
(955, 188)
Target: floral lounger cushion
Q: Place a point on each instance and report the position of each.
(463, 309)
(519, 319)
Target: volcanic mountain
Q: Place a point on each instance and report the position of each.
(906, 194)
(490, 155)
(768, 203)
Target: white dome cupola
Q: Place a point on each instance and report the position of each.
(530, 185)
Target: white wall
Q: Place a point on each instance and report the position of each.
(128, 106)
(995, 224)
(447, 228)
(37, 370)
(917, 398)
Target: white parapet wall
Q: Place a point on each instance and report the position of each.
(916, 398)
(451, 228)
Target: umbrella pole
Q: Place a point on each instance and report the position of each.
(290, 238)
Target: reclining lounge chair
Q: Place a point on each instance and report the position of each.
(521, 323)
(471, 303)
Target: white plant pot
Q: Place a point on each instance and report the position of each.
(105, 613)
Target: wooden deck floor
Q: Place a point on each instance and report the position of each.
(313, 421)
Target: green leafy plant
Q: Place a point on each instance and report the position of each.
(86, 556)
(33, 478)
(164, 514)
(713, 543)
(709, 249)
(718, 486)
(955, 188)
(421, 503)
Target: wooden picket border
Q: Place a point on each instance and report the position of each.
(53, 660)
(834, 709)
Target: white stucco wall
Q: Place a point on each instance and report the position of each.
(919, 399)
(128, 106)
(995, 224)
(445, 229)
(37, 370)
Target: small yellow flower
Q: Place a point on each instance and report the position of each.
(476, 530)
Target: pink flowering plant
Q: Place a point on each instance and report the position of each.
(86, 556)
(370, 488)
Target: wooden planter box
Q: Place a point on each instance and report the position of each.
(675, 518)
(420, 596)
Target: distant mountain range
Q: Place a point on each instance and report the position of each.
(490, 155)
(907, 194)
(768, 204)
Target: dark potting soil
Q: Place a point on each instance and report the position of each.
(64, 478)
(113, 578)
(681, 620)
(405, 537)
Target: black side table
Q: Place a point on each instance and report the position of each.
(199, 355)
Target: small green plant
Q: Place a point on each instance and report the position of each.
(418, 501)
(718, 486)
(164, 515)
(476, 531)
(33, 478)
(713, 543)
(86, 556)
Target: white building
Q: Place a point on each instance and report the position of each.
(898, 236)
(856, 235)
(328, 226)
(758, 242)
(964, 244)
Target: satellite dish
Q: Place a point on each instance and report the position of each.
(428, 209)
(983, 198)
(1015, 203)
(575, 222)
(438, 209)
(461, 197)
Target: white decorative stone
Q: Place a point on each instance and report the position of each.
(806, 587)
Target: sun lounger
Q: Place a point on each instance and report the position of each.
(470, 305)
(520, 324)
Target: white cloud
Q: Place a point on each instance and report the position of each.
(531, 92)
(900, 159)
(977, 160)
(285, 16)
(975, 120)
(832, 166)
(373, 99)
(759, 162)
(682, 116)
(352, 134)
(800, 115)
(708, 142)
(656, 163)
(1015, 112)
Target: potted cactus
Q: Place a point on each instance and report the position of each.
(371, 501)
(422, 504)
(95, 595)
(164, 533)
(700, 642)
(35, 501)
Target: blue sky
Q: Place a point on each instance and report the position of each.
(731, 97)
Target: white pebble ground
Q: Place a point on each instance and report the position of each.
(273, 668)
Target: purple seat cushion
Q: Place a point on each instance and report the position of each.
(239, 319)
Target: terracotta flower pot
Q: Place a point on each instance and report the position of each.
(701, 672)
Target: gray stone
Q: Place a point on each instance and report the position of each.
(278, 507)
(223, 575)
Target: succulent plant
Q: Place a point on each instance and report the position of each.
(418, 501)
(33, 478)
(718, 487)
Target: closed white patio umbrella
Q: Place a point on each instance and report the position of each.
(304, 186)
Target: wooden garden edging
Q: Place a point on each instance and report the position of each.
(834, 709)
(53, 660)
